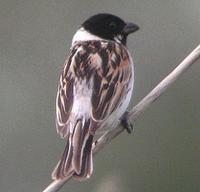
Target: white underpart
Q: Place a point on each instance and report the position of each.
(83, 35)
(82, 101)
(82, 98)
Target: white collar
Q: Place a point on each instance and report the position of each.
(83, 35)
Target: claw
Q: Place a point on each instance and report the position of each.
(126, 123)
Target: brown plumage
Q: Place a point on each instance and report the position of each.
(102, 69)
(94, 90)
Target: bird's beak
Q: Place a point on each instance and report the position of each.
(130, 28)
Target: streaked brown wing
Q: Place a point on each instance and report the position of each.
(77, 68)
(111, 82)
(64, 99)
(107, 64)
(94, 81)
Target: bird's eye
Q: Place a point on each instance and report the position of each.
(112, 25)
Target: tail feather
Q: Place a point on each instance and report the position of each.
(87, 162)
(77, 141)
(77, 156)
(63, 167)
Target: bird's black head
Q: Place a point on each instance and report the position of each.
(109, 27)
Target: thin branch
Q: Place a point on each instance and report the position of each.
(137, 110)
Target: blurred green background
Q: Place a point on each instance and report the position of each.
(164, 152)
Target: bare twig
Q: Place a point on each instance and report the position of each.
(137, 110)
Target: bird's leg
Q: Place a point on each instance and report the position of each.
(126, 123)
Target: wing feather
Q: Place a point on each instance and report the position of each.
(111, 86)
(64, 99)
(94, 84)
(107, 65)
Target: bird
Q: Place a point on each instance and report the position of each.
(94, 90)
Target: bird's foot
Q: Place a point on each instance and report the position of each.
(126, 123)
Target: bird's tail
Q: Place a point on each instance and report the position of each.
(76, 160)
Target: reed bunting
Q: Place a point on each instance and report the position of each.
(94, 90)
